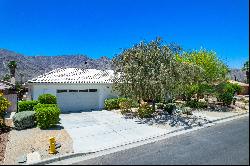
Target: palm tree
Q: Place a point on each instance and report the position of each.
(246, 68)
(21, 76)
(12, 66)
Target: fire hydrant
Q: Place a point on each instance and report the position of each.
(52, 147)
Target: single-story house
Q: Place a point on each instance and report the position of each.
(9, 92)
(4, 86)
(76, 89)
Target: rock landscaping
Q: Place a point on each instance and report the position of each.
(184, 116)
(32, 126)
(3, 141)
(32, 140)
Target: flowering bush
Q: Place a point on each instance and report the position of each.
(4, 104)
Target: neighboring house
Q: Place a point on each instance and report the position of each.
(10, 94)
(76, 89)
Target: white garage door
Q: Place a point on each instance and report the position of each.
(77, 100)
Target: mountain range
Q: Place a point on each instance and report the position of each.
(32, 66)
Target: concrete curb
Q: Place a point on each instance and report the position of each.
(58, 158)
(63, 157)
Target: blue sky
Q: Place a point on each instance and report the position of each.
(102, 27)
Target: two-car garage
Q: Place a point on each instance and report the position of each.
(76, 89)
(70, 100)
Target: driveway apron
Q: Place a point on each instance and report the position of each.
(99, 130)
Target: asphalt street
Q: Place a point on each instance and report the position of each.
(225, 143)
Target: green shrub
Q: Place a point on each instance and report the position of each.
(125, 106)
(226, 98)
(196, 104)
(47, 117)
(186, 110)
(226, 87)
(170, 107)
(135, 104)
(237, 88)
(160, 105)
(23, 120)
(145, 111)
(121, 99)
(39, 105)
(110, 104)
(226, 91)
(27, 105)
(113, 103)
(47, 99)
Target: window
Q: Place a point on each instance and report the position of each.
(85, 90)
(73, 90)
(61, 91)
(92, 90)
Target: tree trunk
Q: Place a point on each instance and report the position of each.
(12, 72)
(153, 102)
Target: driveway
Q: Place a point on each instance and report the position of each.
(224, 144)
(99, 130)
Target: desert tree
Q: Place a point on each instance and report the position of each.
(149, 71)
(213, 70)
(246, 69)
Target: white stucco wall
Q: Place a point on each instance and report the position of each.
(104, 90)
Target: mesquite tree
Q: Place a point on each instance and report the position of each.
(150, 71)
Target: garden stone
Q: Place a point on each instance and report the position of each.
(33, 157)
(22, 159)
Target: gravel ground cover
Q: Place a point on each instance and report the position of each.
(30, 140)
(3, 141)
(199, 116)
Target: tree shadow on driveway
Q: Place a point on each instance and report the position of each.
(174, 120)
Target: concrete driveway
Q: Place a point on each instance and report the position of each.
(99, 130)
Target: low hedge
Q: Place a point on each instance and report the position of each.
(23, 120)
(27, 105)
(47, 116)
(47, 99)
